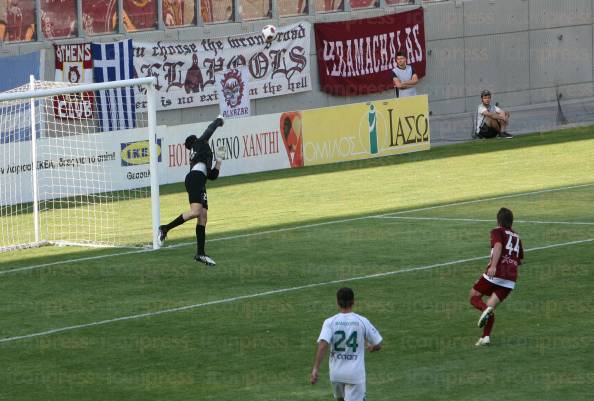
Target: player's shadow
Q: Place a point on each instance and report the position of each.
(23, 263)
(441, 152)
(476, 147)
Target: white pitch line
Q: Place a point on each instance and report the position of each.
(271, 292)
(258, 233)
(483, 220)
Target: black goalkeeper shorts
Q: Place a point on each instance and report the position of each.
(196, 187)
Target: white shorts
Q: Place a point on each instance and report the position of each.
(348, 392)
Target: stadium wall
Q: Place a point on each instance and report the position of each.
(526, 51)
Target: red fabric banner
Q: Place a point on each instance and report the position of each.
(357, 57)
(74, 64)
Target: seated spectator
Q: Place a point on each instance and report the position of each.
(491, 121)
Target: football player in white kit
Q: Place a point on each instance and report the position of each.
(347, 334)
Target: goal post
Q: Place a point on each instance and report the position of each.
(78, 164)
(151, 108)
(35, 183)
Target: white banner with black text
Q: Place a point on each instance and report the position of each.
(185, 71)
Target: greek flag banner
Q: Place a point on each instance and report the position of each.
(113, 62)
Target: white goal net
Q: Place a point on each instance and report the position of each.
(76, 165)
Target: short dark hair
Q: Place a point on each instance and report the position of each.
(400, 54)
(505, 217)
(485, 92)
(190, 140)
(345, 297)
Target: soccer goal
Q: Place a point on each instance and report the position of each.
(78, 165)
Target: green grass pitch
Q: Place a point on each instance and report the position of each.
(409, 234)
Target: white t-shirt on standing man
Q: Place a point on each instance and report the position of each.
(404, 75)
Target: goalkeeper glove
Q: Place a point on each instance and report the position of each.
(221, 152)
(220, 117)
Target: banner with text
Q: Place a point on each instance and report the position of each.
(185, 71)
(356, 57)
(252, 144)
(74, 64)
(365, 130)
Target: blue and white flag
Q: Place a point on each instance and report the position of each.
(113, 62)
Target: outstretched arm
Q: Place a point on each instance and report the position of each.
(218, 122)
(322, 346)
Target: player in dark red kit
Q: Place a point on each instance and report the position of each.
(502, 271)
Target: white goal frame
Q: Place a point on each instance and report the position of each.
(151, 127)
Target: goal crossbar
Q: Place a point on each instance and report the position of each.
(8, 96)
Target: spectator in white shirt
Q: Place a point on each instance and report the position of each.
(491, 121)
(404, 77)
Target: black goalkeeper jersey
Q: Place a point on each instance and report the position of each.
(201, 151)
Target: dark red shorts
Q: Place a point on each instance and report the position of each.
(486, 287)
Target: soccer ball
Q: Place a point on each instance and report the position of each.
(269, 33)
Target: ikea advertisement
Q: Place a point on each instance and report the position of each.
(365, 130)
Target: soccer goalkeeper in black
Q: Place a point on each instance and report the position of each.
(200, 170)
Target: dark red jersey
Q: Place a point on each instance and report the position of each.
(512, 254)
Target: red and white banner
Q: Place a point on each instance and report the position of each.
(185, 71)
(74, 64)
(232, 90)
(356, 57)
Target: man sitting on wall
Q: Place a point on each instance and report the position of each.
(491, 121)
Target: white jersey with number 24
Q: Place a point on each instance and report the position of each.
(346, 334)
